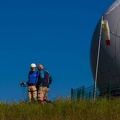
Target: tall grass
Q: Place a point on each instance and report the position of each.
(101, 109)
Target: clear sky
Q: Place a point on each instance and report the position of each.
(55, 33)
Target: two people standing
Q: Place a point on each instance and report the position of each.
(38, 83)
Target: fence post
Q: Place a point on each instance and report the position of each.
(109, 89)
(78, 94)
(71, 93)
(89, 95)
(83, 92)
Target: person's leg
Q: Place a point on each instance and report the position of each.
(40, 94)
(34, 92)
(46, 90)
(29, 94)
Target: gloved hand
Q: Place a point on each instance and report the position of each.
(22, 84)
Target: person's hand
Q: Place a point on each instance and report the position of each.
(22, 83)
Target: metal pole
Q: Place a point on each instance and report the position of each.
(95, 84)
(71, 94)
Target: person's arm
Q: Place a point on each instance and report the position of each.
(25, 83)
(50, 80)
(39, 80)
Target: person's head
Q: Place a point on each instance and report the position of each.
(33, 66)
(40, 67)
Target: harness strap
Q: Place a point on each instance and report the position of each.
(32, 90)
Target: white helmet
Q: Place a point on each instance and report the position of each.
(33, 65)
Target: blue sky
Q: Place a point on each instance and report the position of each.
(55, 33)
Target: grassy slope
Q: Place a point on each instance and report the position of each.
(62, 110)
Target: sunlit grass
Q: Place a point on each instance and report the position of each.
(101, 109)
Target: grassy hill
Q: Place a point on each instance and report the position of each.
(101, 109)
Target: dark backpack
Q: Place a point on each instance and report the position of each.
(46, 80)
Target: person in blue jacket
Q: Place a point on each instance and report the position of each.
(32, 81)
(43, 84)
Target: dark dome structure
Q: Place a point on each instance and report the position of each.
(109, 56)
